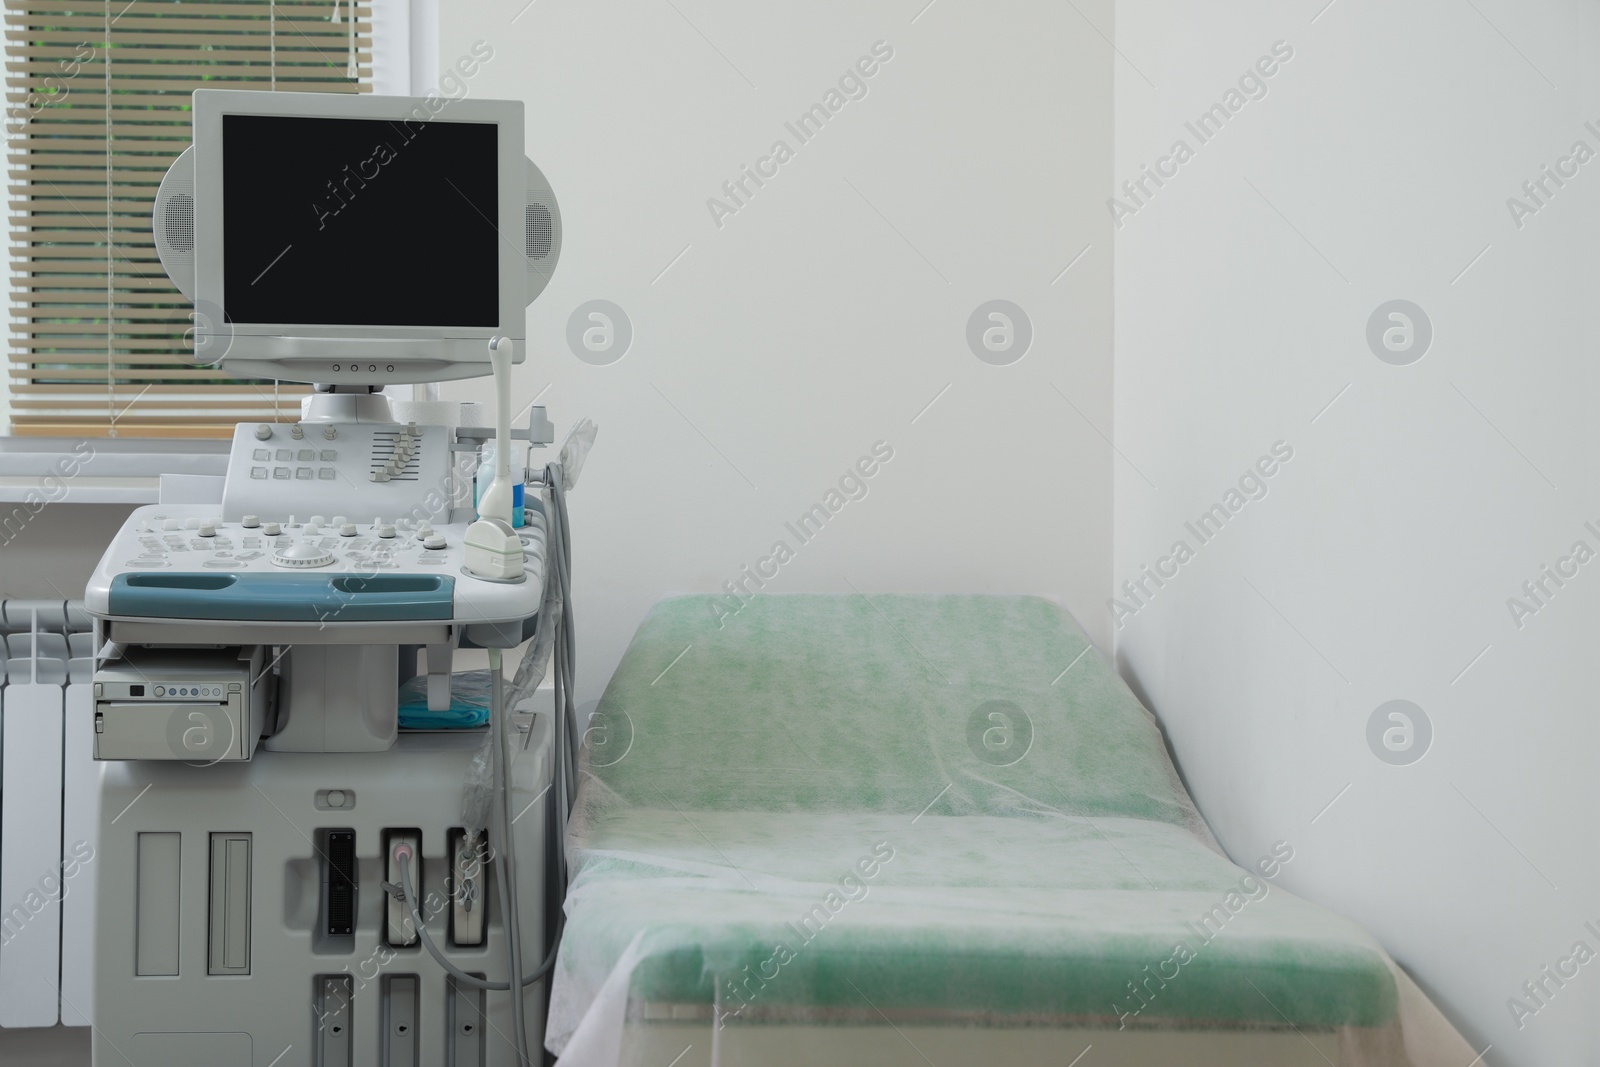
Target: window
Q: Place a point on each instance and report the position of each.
(97, 99)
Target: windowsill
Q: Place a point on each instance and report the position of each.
(108, 471)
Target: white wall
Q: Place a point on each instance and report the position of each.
(1379, 565)
(771, 353)
(53, 556)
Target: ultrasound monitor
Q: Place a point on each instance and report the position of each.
(352, 240)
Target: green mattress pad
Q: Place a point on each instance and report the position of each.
(937, 804)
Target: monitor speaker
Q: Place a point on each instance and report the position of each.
(541, 233)
(173, 224)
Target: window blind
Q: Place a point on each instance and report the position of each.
(97, 107)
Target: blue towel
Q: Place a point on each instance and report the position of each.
(470, 693)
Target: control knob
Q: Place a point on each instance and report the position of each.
(302, 554)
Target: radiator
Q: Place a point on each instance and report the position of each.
(47, 814)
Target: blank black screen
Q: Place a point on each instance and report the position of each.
(360, 222)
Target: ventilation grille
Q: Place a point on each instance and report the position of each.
(341, 860)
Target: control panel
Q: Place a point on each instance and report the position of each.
(186, 562)
(276, 470)
(321, 523)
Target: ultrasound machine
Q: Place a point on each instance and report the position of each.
(319, 844)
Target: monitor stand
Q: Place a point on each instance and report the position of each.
(346, 404)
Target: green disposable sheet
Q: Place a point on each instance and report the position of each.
(926, 807)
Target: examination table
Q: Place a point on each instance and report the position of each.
(929, 829)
